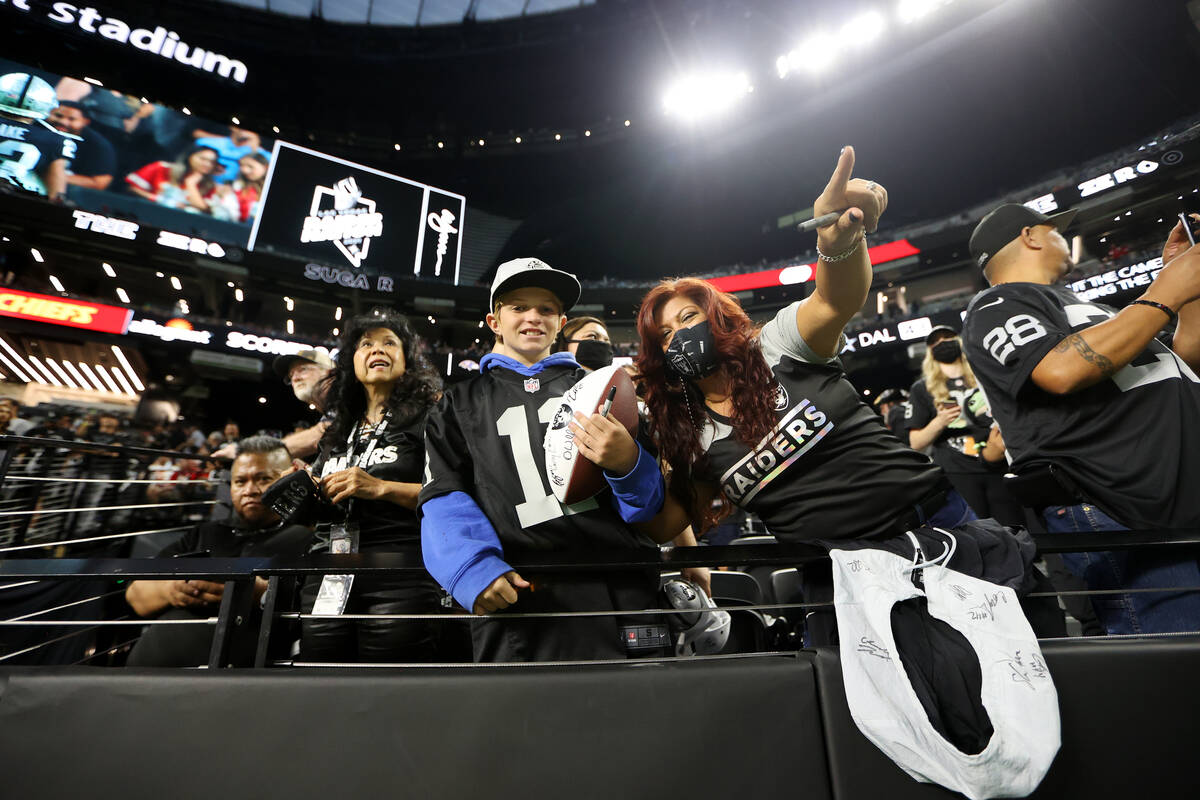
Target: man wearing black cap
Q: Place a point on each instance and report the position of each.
(892, 405)
(1098, 416)
(486, 496)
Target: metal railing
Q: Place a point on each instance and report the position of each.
(244, 637)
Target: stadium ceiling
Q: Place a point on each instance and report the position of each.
(410, 13)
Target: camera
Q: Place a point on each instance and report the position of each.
(297, 499)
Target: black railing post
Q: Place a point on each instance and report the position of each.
(277, 587)
(233, 640)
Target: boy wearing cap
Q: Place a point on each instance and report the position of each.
(486, 495)
(1090, 404)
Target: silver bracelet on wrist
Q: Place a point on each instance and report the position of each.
(842, 256)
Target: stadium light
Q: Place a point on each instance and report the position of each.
(34, 360)
(291, 326)
(56, 283)
(238, 294)
(815, 54)
(587, 133)
(337, 314)
(864, 28)
(37, 255)
(65, 377)
(79, 379)
(17, 358)
(108, 270)
(92, 377)
(705, 94)
(120, 376)
(175, 284)
(14, 368)
(517, 140)
(913, 10)
(128, 368)
(275, 128)
(108, 381)
(396, 146)
(122, 295)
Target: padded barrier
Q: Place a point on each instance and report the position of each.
(1129, 720)
(705, 729)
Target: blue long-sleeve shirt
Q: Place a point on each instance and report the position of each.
(463, 552)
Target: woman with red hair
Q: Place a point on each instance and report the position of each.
(767, 420)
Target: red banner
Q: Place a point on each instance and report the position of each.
(62, 311)
(801, 273)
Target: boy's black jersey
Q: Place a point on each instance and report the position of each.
(1129, 441)
(485, 439)
(830, 469)
(27, 147)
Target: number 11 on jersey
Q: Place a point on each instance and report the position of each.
(539, 505)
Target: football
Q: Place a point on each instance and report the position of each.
(573, 478)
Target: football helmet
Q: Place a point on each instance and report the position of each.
(25, 95)
(703, 632)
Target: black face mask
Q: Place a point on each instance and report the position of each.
(946, 352)
(593, 353)
(692, 352)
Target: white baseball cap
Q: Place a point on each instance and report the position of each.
(523, 272)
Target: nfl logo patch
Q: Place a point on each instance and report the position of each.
(532, 385)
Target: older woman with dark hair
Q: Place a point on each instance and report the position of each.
(370, 465)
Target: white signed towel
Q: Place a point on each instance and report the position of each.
(1017, 692)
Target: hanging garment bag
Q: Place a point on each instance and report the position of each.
(966, 646)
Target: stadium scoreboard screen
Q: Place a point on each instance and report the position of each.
(339, 213)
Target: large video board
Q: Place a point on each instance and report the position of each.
(334, 211)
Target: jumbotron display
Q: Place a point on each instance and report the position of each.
(334, 211)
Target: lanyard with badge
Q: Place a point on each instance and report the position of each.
(343, 536)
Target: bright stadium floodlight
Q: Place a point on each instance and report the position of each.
(705, 94)
(815, 54)
(913, 10)
(864, 28)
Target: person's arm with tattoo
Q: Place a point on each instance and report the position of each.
(1093, 354)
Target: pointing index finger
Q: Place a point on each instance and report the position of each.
(841, 173)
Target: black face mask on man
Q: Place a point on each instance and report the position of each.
(946, 352)
(593, 353)
(692, 352)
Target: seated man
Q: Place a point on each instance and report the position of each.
(255, 531)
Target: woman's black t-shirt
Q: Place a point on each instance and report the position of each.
(398, 455)
(829, 469)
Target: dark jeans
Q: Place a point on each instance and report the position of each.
(339, 640)
(987, 496)
(497, 637)
(1150, 568)
(176, 645)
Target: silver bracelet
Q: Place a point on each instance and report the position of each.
(842, 256)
